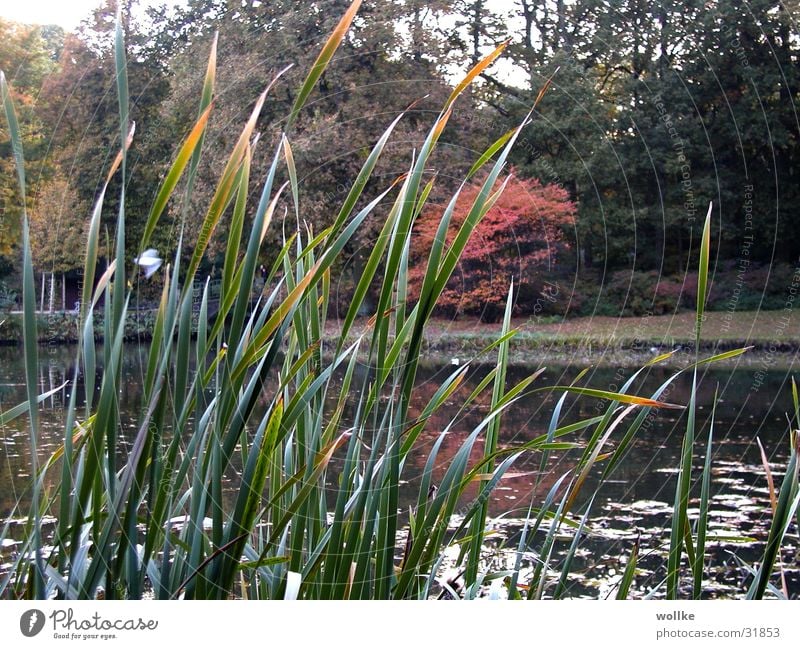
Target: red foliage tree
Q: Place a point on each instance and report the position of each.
(519, 238)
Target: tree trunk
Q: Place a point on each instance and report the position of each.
(477, 14)
(63, 292)
(416, 34)
(50, 302)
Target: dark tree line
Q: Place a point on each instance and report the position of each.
(655, 109)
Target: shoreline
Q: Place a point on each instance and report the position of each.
(773, 338)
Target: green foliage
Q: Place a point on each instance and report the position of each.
(657, 108)
(24, 57)
(58, 226)
(8, 297)
(78, 104)
(254, 384)
(733, 287)
(642, 293)
(277, 529)
(639, 126)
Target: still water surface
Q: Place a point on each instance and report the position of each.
(635, 503)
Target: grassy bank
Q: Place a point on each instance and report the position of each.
(761, 330)
(722, 330)
(621, 341)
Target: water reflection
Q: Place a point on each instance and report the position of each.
(635, 503)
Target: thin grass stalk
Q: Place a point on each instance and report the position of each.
(120, 288)
(540, 580)
(490, 444)
(630, 571)
(323, 59)
(29, 334)
(680, 507)
(561, 586)
(702, 520)
(788, 500)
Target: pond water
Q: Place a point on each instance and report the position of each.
(636, 502)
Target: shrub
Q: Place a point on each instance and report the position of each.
(519, 238)
(747, 287)
(8, 297)
(638, 293)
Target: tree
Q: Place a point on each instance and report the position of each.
(57, 226)
(389, 63)
(654, 109)
(25, 60)
(657, 109)
(747, 88)
(521, 238)
(78, 102)
(57, 230)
